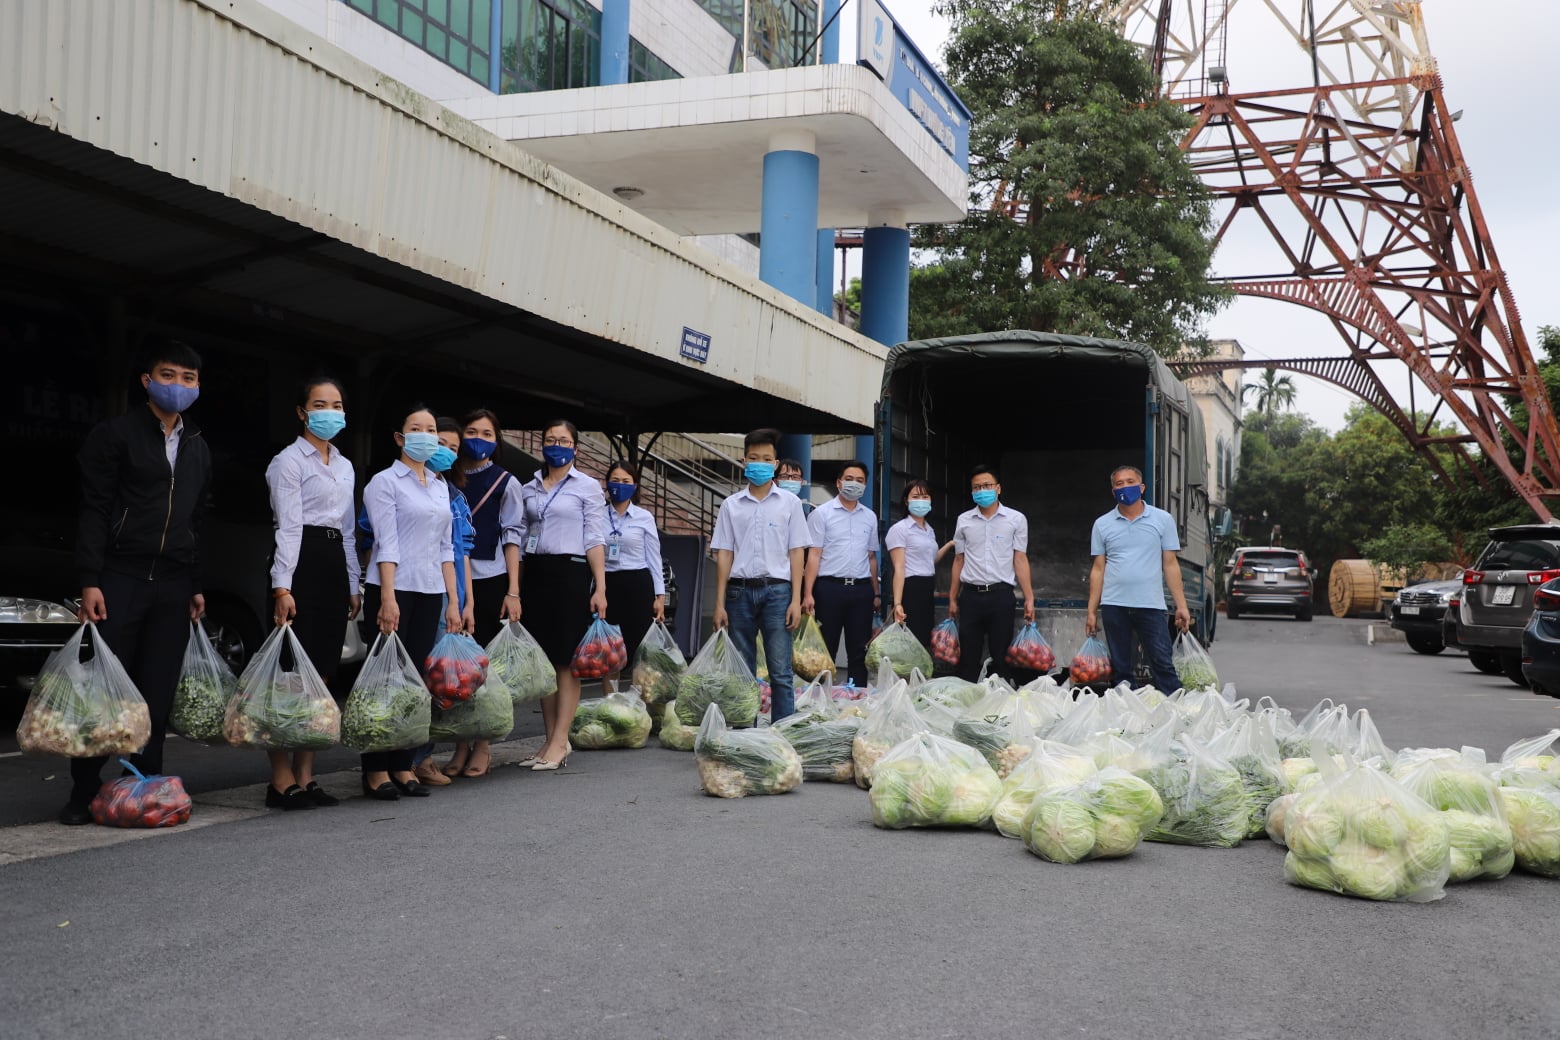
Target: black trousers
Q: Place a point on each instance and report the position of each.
(631, 598)
(846, 608)
(918, 608)
(422, 620)
(985, 629)
(147, 628)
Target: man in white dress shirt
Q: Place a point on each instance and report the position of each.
(842, 571)
(991, 556)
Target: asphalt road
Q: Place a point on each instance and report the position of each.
(613, 899)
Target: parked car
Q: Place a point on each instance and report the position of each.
(1418, 612)
(1541, 641)
(1269, 578)
(1497, 594)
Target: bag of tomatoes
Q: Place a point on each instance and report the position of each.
(945, 642)
(141, 801)
(601, 652)
(1030, 650)
(455, 669)
(1091, 663)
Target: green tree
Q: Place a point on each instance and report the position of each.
(1111, 236)
(1273, 392)
(1409, 547)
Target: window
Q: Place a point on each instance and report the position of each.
(782, 31)
(549, 45)
(645, 67)
(454, 31)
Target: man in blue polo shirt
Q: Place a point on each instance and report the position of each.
(1134, 548)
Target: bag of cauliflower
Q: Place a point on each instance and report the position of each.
(735, 763)
(810, 656)
(892, 719)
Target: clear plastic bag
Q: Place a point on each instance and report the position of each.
(83, 709)
(206, 684)
(139, 800)
(999, 728)
(1468, 799)
(933, 781)
(893, 719)
(1102, 817)
(281, 703)
(658, 667)
(518, 664)
(822, 736)
(618, 720)
(389, 708)
(1533, 814)
(898, 644)
(1533, 762)
(718, 675)
(1091, 664)
(1048, 766)
(1248, 746)
(1359, 832)
(736, 763)
(456, 668)
(945, 642)
(674, 735)
(601, 652)
(1204, 799)
(810, 655)
(489, 715)
(1030, 650)
(1193, 665)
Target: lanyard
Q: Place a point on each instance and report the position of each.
(612, 517)
(542, 516)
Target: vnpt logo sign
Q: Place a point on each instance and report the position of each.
(875, 35)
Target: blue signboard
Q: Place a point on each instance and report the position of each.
(696, 345)
(883, 47)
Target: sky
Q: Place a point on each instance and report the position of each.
(1498, 66)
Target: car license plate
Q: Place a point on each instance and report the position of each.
(1270, 578)
(1408, 610)
(1504, 595)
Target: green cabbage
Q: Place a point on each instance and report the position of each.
(1534, 817)
(675, 736)
(618, 720)
(932, 781)
(1104, 817)
(489, 715)
(517, 663)
(903, 650)
(736, 695)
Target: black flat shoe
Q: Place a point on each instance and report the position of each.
(319, 795)
(291, 800)
(382, 793)
(74, 815)
(411, 788)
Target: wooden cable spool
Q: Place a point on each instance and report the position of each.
(1357, 587)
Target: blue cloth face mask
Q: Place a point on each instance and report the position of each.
(985, 498)
(759, 473)
(420, 447)
(920, 506)
(793, 486)
(478, 448)
(1128, 496)
(441, 460)
(619, 492)
(326, 423)
(557, 456)
(171, 397)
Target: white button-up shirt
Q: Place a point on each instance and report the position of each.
(569, 518)
(413, 528)
(847, 537)
(638, 542)
(307, 491)
(988, 544)
(171, 441)
(919, 542)
(511, 520)
(761, 532)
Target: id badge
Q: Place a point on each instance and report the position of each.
(612, 550)
(533, 537)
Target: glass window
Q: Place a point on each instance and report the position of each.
(782, 31)
(549, 45)
(454, 31)
(1533, 554)
(646, 67)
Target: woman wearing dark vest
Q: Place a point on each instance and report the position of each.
(497, 514)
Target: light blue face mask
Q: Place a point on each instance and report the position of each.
(793, 486)
(420, 447)
(759, 473)
(920, 507)
(985, 498)
(326, 423)
(442, 459)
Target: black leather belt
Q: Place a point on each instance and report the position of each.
(755, 583)
(841, 581)
(332, 533)
(993, 587)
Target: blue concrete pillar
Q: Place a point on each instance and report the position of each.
(831, 35)
(495, 45)
(788, 239)
(885, 287)
(614, 42)
(825, 302)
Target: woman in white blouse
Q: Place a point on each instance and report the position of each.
(912, 546)
(636, 587)
(314, 567)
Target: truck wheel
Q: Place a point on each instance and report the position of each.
(1425, 644)
(1485, 661)
(1511, 664)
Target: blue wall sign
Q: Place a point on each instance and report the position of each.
(883, 47)
(695, 345)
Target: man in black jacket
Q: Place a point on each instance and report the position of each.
(144, 477)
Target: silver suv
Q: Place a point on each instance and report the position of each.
(1497, 595)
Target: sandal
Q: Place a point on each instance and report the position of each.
(471, 771)
(457, 763)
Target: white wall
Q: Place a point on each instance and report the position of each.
(682, 34)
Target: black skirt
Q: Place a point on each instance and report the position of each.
(555, 598)
(918, 608)
(487, 601)
(630, 599)
(322, 598)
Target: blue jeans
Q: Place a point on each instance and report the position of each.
(751, 612)
(1152, 628)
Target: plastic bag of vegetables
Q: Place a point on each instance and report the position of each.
(83, 709)
(896, 643)
(893, 720)
(389, 708)
(1048, 766)
(999, 727)
(139, 800)
(949, 691)
(1468, 799)
(618, 720)
(1249, 747)
(945, 642)
(1204, 799)
(1533, 813)
(1531, 762)
(455, 668)
(675, 736)
(810, 656)
(281, 703)
(205, 685)
(1359, 832)
(658, 667)
(1102, 817)
(489, 715)
(1193, 665)
(822, 736)
(735, 763)
(718, 675)
(933, 781)
(518, 664)
(1091, 664)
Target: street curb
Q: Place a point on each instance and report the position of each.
(1379, 633)
(30, 841)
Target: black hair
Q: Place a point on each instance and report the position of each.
(858, 464)
(448, 424)
(1126, 465)
(413, 409)
(764, 435)
(789, 464)
(977, 470)
(320, 380)
(913, 485)
(629, 468)
(574, 432)
(172, 351)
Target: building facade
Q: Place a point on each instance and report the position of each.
(1218, 394)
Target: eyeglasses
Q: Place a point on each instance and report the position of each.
(558, 442)
(983, 487)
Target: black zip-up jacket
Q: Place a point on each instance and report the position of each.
(138, 515)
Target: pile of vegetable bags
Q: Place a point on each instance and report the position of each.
(618, 720)
(736, 763)
(822, 733)
(718, 676)
(930, 780)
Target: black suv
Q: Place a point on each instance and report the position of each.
(1418, 611)
(1497, 594)
(1269, 578)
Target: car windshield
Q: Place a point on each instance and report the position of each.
(1527, 554)
(1270, 559)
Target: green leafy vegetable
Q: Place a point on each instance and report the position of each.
(824, 742)
(517, 663)
(933, 781)
(618, 720)
(735, 763)
(903, 650)
(489, 715)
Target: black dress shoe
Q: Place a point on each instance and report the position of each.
(411, 788)
(74, 815)
(382, 793)
(319, 795)
(292, 799)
